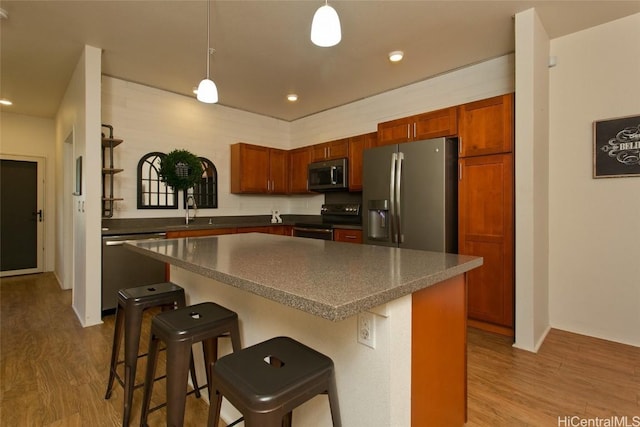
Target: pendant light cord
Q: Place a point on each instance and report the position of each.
(208, 34)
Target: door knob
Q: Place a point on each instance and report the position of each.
(39, 213)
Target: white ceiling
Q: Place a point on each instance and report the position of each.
(263, 50)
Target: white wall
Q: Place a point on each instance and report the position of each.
(532, 184)
(593, 258)
(79, 113)
(483, 80)
(149, 119)
(34, 136)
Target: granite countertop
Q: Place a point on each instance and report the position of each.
(329, 279)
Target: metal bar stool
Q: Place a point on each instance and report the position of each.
(131, 304)
(179, 330)
(265, 382)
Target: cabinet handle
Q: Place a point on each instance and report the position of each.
(328, 152)
(408, 131)
(460, 144)
(349, 237)
(415, 129)
(460, 172)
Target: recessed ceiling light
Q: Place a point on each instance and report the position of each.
(396, 55)
(5, 102)
(292, 97)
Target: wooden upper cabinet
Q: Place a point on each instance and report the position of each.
(486, 126)
(330, 150)
(433, 124)
(257, 169)
(395, 131)
(357, 145)
(278, 171)
(436, 124)
(299, 160)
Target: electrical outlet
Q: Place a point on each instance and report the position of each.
(367, 329)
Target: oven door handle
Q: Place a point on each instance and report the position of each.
(318, 230)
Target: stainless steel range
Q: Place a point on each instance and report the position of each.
(334, 214)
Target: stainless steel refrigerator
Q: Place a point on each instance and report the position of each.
(410, 197)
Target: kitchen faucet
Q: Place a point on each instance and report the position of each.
(190, 201)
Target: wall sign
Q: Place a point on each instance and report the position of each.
(616, 147)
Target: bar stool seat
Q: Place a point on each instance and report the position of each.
(132, 302)
(265, 382)
(179, 330)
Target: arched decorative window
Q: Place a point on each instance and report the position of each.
(205, 192)
(152, 192)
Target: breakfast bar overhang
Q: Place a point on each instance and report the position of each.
(313, 290)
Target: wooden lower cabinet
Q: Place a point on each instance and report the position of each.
(486, 229)
(347, 235)
(283, 230)
(201, 232)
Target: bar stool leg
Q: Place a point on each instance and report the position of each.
(115, 350)
(210, 350)
(133, 326)
(177, 373)
(152, 361)
(215, 405)
(332, 393)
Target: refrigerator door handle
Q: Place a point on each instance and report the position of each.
(392, 198)
(398, 198)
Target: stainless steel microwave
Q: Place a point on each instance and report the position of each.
(329, 175)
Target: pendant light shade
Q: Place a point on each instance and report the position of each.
(325, 27)
(207, 90)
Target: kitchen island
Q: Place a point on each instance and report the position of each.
(313, 291)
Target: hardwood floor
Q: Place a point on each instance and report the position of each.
(53, 372)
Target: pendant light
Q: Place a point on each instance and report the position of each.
(207, 90)
(325, 27)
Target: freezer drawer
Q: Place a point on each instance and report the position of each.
(124, 268)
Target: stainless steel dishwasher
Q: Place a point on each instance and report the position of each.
(124, 268)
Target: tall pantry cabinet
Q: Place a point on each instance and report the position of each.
(486, 209)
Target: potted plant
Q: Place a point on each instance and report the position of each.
(181, 169)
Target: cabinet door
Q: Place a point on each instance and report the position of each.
(486, 127)
(201, 232)
(436, 124)
(345, 235)
(486, 229)
(278, 171)
(249, 168)
(299, 160)
(337, 149)
(357, 145)
(395, 131)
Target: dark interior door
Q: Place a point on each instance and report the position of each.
(18, 218)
